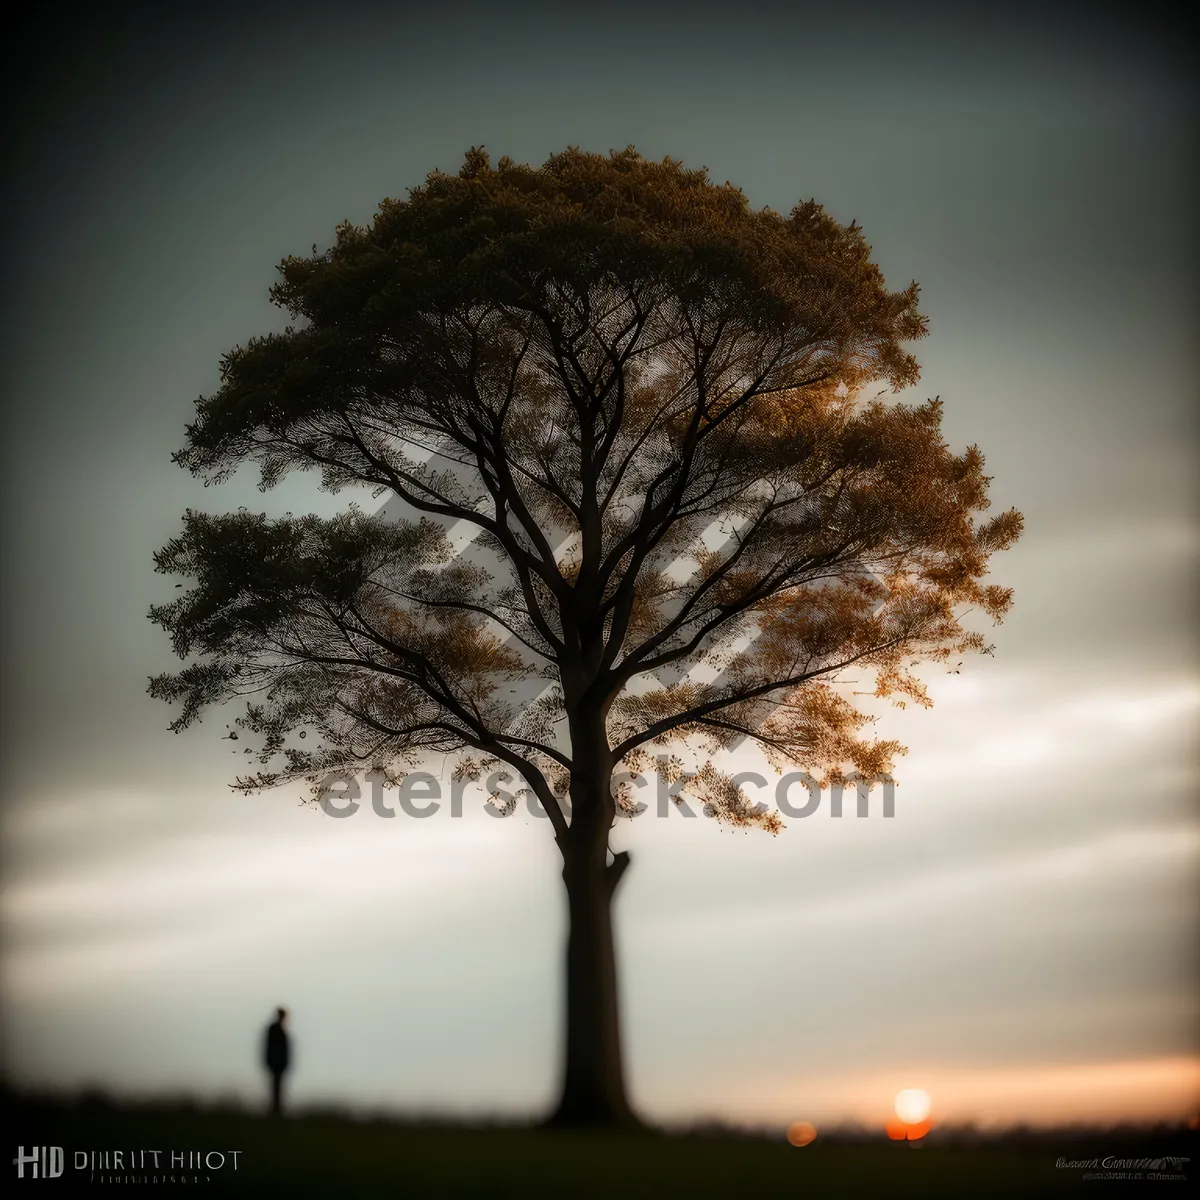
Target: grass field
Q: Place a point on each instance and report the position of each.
(310, 1156)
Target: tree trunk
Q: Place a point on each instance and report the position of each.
(593, 1088)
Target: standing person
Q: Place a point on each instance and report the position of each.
(277, 1055)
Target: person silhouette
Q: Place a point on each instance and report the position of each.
(277, 1057)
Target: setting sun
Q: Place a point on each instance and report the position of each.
(912, 1105)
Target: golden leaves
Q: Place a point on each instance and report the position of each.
(724, 800)
(457, 645)
(617, 351)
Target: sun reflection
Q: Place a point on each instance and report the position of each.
(800, 1133)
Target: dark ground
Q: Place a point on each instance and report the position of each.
(338, 1156)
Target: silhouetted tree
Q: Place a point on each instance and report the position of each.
(645, 398)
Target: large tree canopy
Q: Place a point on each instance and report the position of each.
(622, 357)
(649, 403)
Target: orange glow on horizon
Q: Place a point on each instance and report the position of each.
(1165, 1089)
(900, 1131)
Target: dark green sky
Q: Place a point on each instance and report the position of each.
(1036, 176)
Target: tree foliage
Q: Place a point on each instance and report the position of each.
(650, 400)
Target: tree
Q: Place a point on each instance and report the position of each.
(608, 367)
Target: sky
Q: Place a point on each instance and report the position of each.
(1020, 939)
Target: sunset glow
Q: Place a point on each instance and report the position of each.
(1037, 1094)
(912, 1105)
